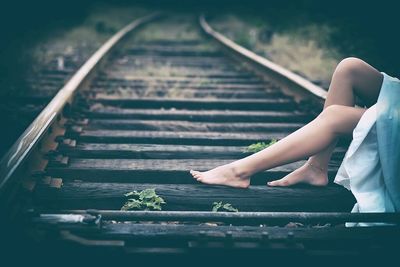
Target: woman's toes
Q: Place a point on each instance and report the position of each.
(280, 182)
(195, 174)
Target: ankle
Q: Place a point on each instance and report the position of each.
(239, 171)
(317, 166)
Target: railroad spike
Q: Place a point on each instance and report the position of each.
(38, 174)
(91, 219)
(59, 138)
(56, 183)
(68, 143)
(79, 121)
(46, 180)
(202, 234)
(265, 236)
(52, 154)
(290, 238)
(228, 239)
(74, 131)
(59, 161)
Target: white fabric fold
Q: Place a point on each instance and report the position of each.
(361, 169)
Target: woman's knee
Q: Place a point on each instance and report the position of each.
(331, 116)
(340, 119)
(331, 112)
(349, 67)
(364, 79)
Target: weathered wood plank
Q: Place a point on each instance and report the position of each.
(179, 79)
(347, 236)
(161, 151)
(143, 62)
(168, 52)
(175, 137)
(171, 125)
(161, 41)
(199, 86)
(100, 111)
(216, 65)
(151, 151)
(237, 218)
(83, 195)
(181, 72)
(175, 47)
(196, 103)
(237, 232)
(156, 170)
(190, 88)
(160, 164)
(176, 59)
(191, 93)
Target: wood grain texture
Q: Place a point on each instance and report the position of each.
(83, 195)
(161, 151)
(101, 111)
(176, 137)
(156, 170)
(345, 235)
(199, 103)
(176, 125)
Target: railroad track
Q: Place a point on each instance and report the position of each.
(172, 96)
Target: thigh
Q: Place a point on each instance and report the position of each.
(367, 82)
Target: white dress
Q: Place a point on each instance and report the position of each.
(376, 139)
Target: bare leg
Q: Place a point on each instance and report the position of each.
(333, 121)
(351, 77)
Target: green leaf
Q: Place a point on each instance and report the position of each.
(228, 207)
(131, 204)
(146, 199)
(148, 194)
(129, 194)
(217, 206)
(256, 147)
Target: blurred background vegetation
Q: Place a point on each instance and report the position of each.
(307, 36)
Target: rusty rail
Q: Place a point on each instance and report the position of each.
(21, 149)
(283, 76)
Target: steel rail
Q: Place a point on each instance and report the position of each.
(277, 71)
(22, 148)
(253, 217)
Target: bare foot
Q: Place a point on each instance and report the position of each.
(222, 175)
(308, 174)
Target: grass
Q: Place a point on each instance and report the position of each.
(253, 148)
(176, 29)
(303, 48)
(103, 21)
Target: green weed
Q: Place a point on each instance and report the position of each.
(144, 200)
(217, 206)
(253, 148)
